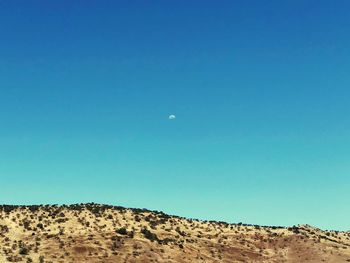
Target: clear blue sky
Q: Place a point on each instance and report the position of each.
(260, 90)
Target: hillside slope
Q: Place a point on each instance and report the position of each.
(100, 233)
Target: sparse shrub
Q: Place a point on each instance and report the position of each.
(26, 224)
(149, 235)
(131, 234)
(122, 231)
(110, 217)
(61, 220)
(23, 250)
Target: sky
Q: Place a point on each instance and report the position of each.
(260, 90)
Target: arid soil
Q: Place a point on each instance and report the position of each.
(101, 233)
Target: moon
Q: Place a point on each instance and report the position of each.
(172, 117)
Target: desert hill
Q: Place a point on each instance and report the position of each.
(102, 233)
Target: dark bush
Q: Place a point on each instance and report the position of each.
(149, 235)
(23, 250)
(122, 231)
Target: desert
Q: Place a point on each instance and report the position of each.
(104, 233)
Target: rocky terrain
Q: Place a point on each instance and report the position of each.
(101, 233)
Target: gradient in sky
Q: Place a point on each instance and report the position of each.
(260, 90)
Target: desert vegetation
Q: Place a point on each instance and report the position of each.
(103, 233)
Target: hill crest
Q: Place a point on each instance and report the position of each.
(104, 233)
